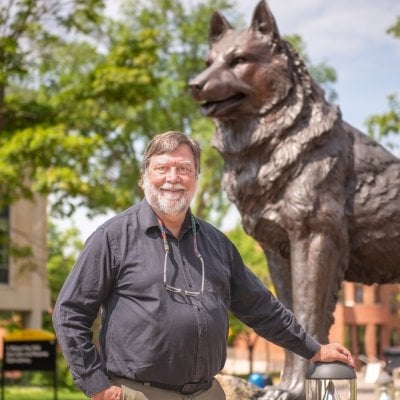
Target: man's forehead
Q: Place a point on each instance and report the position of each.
(168, 159)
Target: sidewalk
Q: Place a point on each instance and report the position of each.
(366, 391)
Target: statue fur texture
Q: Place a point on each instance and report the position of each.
(321, 198)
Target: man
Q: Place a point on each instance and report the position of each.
(164, 281)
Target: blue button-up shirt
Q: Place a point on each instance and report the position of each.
(148, 333)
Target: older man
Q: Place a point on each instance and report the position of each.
(164, 281)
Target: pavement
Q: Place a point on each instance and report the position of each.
(377, 391)
(366, 391)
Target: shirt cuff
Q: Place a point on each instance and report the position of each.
(94, 383)
(312, 345)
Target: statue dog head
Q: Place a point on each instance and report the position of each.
(249, 70)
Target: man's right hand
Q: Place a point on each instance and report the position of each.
(111, 393)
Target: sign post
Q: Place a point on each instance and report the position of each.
(30, 350)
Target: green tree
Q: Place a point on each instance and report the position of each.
(322, 73)
(77, 113)
(27, 34)
(63, 247)
(384, 127)
(251, 252)
(394, 30)
(182, 46)
(253, 256)
(66, 103)
(81, 101)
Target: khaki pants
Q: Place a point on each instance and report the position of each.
(132, 390)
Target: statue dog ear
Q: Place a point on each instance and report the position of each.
(263, 20)
(218, 26)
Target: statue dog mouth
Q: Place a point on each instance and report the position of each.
(211, 108)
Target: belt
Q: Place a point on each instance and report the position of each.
(187, 388)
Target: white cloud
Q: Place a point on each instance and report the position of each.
(340, 26)
(351, 36)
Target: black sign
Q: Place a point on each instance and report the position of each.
(29, 355)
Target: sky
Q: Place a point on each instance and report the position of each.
(349, 35)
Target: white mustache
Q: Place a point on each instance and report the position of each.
(170, 186)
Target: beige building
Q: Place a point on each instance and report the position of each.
(23, 255)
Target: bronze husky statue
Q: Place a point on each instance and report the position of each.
(321, 198)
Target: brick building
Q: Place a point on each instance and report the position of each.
(367, 319)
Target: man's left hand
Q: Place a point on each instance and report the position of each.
(333, 352)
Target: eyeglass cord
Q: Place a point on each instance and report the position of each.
(196, 252)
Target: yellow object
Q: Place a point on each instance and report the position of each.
(29, 335)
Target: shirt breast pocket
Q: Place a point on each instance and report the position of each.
(140, 275)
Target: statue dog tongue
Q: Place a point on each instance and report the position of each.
(321, 198)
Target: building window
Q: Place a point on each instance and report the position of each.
(348, 337)
(377, 294)
(378, 339)
(394, 337)
(4, 244)
(361, 339)
(393, 303)
(358, 293)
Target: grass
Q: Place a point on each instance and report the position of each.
(38, 393)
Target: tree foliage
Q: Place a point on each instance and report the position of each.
(182, 47)
(322, 73)
(384, 127)
(81, 94)
(63, 248)
(394, 30)
(67, 101)
(252, 253)
(254, 257)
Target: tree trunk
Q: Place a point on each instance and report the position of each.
(251, 354)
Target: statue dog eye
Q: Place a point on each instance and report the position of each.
(236, 61)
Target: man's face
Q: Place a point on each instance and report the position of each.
(170, 181)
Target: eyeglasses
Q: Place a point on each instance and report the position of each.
(174, 289)
(181, 170)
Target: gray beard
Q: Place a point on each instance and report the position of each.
(162, 204)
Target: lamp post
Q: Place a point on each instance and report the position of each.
(331, 381)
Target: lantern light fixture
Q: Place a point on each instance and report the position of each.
(331, 381)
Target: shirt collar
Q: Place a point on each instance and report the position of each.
(148, 218)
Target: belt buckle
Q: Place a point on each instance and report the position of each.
(191, 388)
